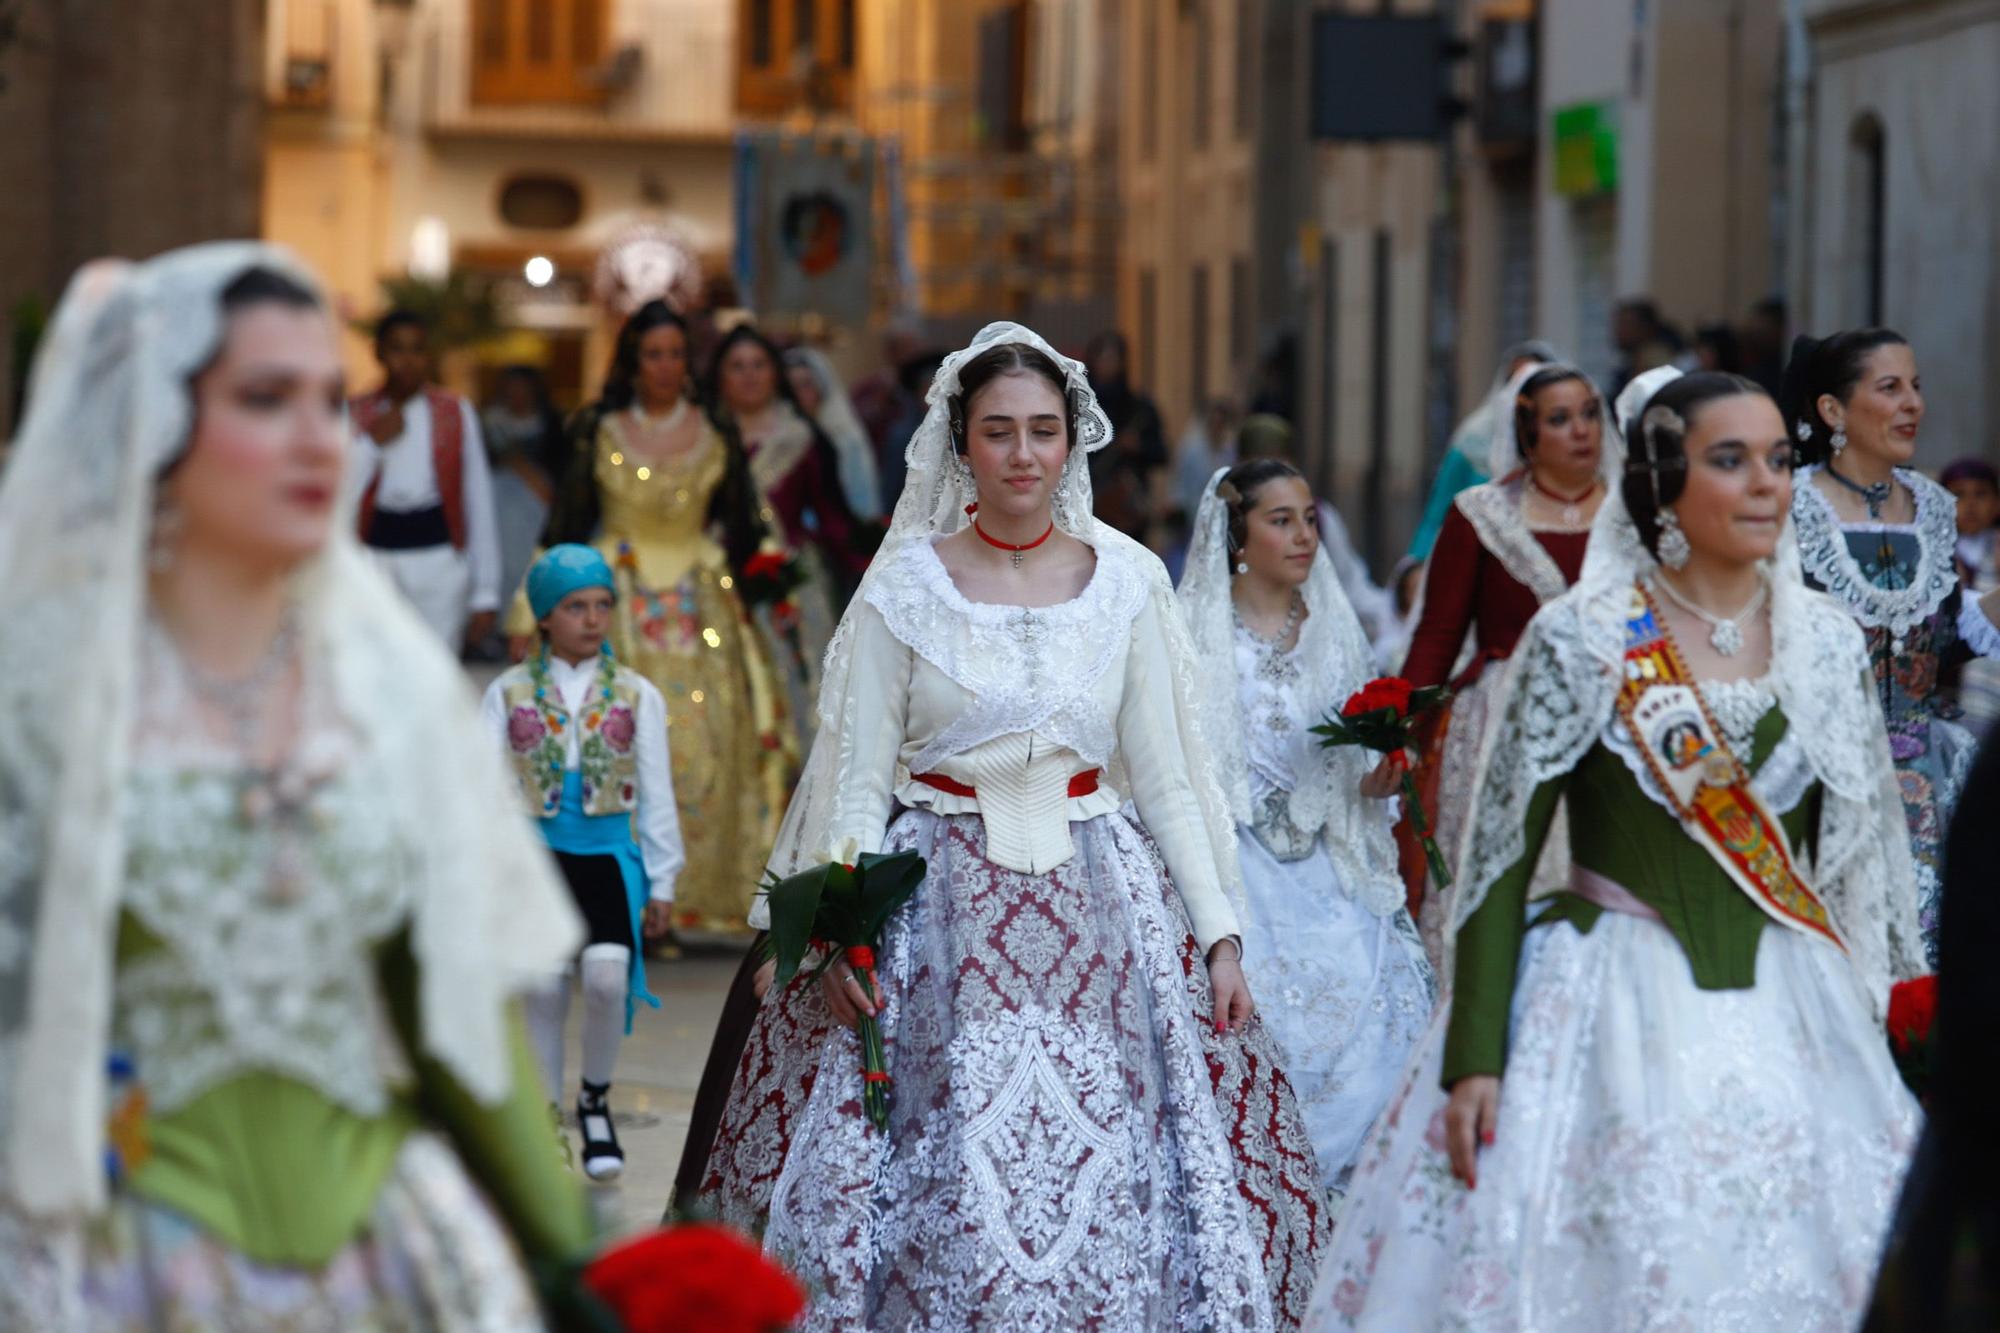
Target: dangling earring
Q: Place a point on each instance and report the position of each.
(167, 523)
(1242, 567)
(1803, 430)
(1838, 441)
(1672, 543)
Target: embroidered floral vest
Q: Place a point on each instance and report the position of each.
(537, 743)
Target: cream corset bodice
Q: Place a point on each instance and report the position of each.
(1013, 703)
(659, 509)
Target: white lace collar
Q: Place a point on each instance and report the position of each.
(1495, 512)
(1829, 563)
(1027, 668)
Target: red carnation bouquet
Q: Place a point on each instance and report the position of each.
(839, 909)
(769, 577)
(682, 1278)
(1381, 716)
(1912, 1013)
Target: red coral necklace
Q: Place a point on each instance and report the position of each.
(1015, 551)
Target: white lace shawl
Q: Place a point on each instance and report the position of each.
(108, 406)
(1824, 551)
(1335, 659)
(1559, 698)
(937, 489)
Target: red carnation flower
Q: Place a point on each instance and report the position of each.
(764, 564)
(695, 1277)
(1912, 1010)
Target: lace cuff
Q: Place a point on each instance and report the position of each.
(1979, 633)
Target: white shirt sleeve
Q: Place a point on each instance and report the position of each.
(1979, 633)
(482, 530)
(493, 711)
(1153, 739)
(658, 820)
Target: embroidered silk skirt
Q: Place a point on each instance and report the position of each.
(434, 1259)
(1071, 1143)
(1345, 993)
(1665, 1158)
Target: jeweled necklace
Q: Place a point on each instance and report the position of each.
(1572, 506)
(1293, 615)
(1874, 495)
(1016, 551)
(1725, 633)
(665, 422)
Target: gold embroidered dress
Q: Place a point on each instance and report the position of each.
(680, 624)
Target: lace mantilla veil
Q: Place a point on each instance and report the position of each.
(937, 489)
(108, 406)
(1334, 654)
(1560, 696)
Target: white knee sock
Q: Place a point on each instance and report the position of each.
(546, 1009)
(607, 969)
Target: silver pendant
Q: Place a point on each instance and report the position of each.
(1572, 516)
(1726, 638)
(1017, 559)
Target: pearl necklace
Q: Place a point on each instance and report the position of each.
(1293, 616)
(1725, 632)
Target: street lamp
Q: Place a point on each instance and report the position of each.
(539, 271)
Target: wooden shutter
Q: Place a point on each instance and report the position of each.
(529, 51)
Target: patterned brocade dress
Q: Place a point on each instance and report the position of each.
(1071, 1142)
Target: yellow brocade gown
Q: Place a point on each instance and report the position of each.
(680, 624)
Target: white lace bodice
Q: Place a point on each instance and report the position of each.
(265, 936)
(1278, 743)
(1013, 702)
(1828, 561)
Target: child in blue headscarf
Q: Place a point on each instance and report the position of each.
(588, 742)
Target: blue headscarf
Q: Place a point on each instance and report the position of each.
(561, 571)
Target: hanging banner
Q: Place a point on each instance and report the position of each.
(805, 225)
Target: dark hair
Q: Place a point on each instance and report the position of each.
(1238, 492)
(1656, 466)
(1728, 348)
(1834, 365)
(1525, 423)
(621, 380)
(578, 507)
(258, 285)
(747, 333)
(1970, 468)
(399, 317)
(1007, 359)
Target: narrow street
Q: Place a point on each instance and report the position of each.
(658, 1070)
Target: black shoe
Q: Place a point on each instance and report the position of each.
(603, 1159)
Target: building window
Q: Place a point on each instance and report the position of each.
(1246, 67)
(1149, 312)
(1867, 209)
(1203, 64)
(1198, 340)
(1239, 312)
(541, 203)
(795, 55)
(526, 51)
(1149, 79)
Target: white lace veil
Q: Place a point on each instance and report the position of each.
(938, 487)
(1336, 659)
(1503, 453)
(1560, 695)
(853, 451)
(108, 406)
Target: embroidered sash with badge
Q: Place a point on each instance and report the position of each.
(1707, 784)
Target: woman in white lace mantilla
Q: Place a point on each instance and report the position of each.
(1340, 973)
(1087, 1126)
(1663, 1099)
(260, 1064)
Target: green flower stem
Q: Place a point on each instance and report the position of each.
(1440, 876)
(874, 1059)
